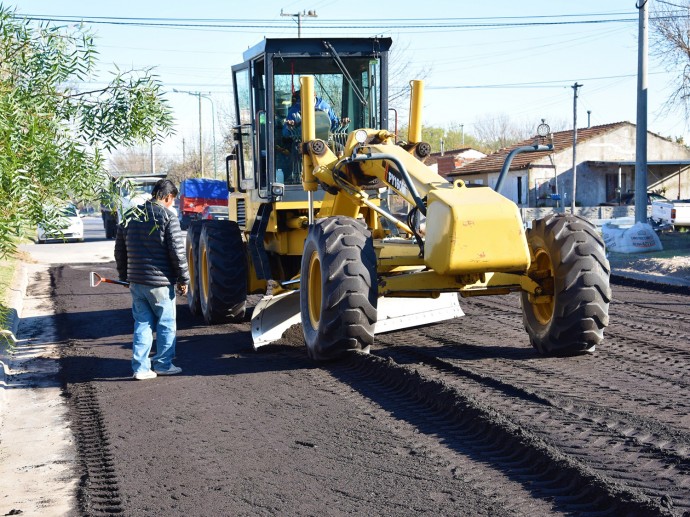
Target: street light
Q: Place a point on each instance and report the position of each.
(310, 14)
(213, 129)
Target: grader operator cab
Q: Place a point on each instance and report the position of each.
(353, 235)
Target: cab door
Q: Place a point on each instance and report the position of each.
(244, 130)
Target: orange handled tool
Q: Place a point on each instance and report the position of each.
(96, 279)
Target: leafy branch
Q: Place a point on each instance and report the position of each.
(53, 136)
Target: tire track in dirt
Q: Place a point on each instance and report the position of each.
(466, 426)
(611, 443)
(612, 381)
(621, 411)
(98, 492)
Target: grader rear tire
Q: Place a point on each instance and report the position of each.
(192, 252)
(338, 289)
(222, 272)
(574, 321)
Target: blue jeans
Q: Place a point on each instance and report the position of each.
(154, 310)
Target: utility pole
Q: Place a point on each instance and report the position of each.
(184, 160)
(309, 14)
(201, 145)
(572, 201)
(213, 130)
(213, 125)
(641, 134)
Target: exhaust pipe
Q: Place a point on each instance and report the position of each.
(97, 279)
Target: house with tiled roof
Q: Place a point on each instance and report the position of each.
(605, 168)
(446, 162)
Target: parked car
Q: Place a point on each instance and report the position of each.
(218, 212)
(629, 199)
(67, 226)
(671, 214)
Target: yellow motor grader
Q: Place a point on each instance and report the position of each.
(345, 229)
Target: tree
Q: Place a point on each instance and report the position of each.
(132, 160)
(189, 167)
(454, 137)
(53, 136)
(497, 131)
(671, 44)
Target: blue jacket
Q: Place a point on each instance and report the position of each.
(319, 105)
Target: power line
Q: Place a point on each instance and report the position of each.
(560, 83)
(672, 5)
(236, 24)
(348, 20)
(533, 84)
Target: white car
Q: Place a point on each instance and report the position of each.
(68, 226)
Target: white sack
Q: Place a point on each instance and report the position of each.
(639, 238)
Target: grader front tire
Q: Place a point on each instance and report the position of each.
(338, 290)
(574, 320)
(222, 272)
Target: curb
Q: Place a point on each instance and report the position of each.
(657, 282)
(15, 304)
(649, 278)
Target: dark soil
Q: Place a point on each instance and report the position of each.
(459, 418)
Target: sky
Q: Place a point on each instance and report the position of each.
(477, 66)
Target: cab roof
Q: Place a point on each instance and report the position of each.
(315, 46)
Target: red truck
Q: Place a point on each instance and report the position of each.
(196, 193)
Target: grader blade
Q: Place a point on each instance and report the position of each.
(402, 313)
(273, 315)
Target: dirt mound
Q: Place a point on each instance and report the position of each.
(672, 262)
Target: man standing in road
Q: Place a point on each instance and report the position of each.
(150, 255)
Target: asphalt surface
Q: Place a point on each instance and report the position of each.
(270, 433)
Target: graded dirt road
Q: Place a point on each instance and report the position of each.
(460, 418)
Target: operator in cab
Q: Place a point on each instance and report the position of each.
(294, 117)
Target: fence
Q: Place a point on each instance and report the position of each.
(589, 212)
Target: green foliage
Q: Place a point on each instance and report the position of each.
(7, 268)
(454, 137)
(53, 136)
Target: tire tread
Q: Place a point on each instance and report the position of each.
(348, 267)
(227, 272)
(581, 282)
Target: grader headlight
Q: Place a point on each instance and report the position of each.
(361, 136)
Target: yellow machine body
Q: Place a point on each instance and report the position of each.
(473, 230)
(337, 214)
(468, 230)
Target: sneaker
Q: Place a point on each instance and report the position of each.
(173, 370)
(142, 376)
